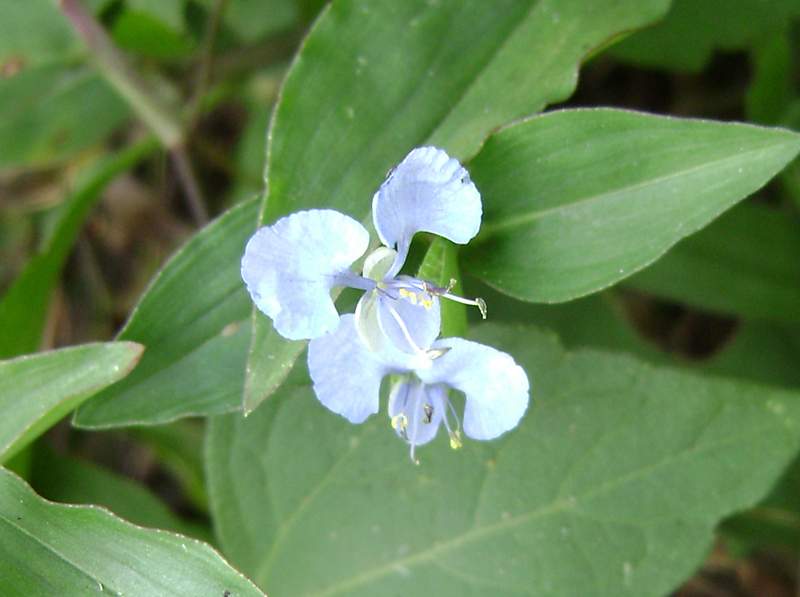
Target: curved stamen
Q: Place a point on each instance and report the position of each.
(455, 435)
(416, 402)
(445, 293)
(433, 290)
(404, 330)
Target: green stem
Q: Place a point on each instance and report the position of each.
(162, 119)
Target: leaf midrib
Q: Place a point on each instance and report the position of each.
(492, 228)
(446, 113)
(559, 505)
(51, 549)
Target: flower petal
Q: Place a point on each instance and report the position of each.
(428, 191)
(347, 377)
(422, 323)
(290, 267)
(495, 386)
(416, 411)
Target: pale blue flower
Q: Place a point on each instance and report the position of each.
(347, 379)
(291, 266)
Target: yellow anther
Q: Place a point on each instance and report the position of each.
(455, 440)
(407, 294)
(416, 298)
(400, 422)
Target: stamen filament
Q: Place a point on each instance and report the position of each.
(445, 293)
(477, 302)
(454, 434)
(404, 330)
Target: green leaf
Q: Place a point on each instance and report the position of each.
(51, 112)
(596, 321)
(268, 370)
(33, 33)
(743, 264)
(208, 380)
(249, 156)
(774, 521)
(38, 390)
(252, 20)
(179, 448)
(577, 200)
(170, 13)
(440, 266)
(145, 34)
(73, 481)
(612, 485)
(189, 319)
(374, 80)
(24, 306)
(765, 352)
(692, 30)
(54, 549)
(761, 351)
(770, 91)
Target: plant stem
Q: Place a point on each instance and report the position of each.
(162, 119)
(194, 197)
(206, 60)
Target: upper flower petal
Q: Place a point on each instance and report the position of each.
(428, 191)
(290, 267)
(347, 377)
(495, 386)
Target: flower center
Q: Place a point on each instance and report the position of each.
(417, 409)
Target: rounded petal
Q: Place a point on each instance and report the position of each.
(416, 411)
(404, 318)
(428, 191)
(495, 386)
(290, 267)
(347, 377)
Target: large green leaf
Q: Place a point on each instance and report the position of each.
(38, 390)
(743, 264)
(692, 29)
(24, 306)
(576, 200)
(54, 549)
(374, 79)
(189, 321)
(612, 485)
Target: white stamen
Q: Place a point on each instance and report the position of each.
(404, 329)
(445, 293)
(477, 302)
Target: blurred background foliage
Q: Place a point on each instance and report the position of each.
(97, 191)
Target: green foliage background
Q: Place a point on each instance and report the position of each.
(638, 253)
